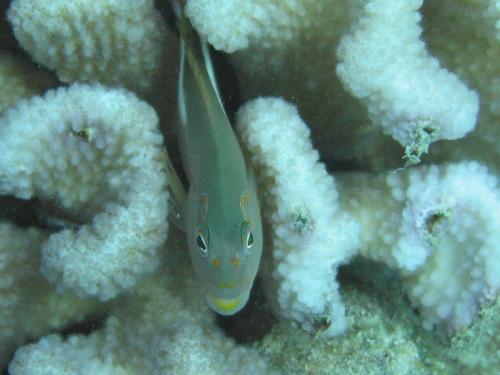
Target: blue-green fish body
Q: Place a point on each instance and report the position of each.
(222, 215)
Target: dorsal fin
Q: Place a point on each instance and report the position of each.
(180, 89)
(210, 69)
(195, 59)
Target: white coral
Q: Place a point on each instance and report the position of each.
(97, 156)
(29, 305)
(436, 232)
(288, 49)
(158, 329)
(232, 25)
(116, 42)
(439, 227)
(79, 354)
(373, 46)
(385, 64)
(311, 235)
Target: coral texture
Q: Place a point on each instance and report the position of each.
(157, 329)
(374, 80)
(438, 225)
(372, 46)
(111, 41)
(29, 305)
(311, 235)
(96, 152)
(385, 64)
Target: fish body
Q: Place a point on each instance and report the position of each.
(222, 215)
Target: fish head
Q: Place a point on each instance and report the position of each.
(225, 245)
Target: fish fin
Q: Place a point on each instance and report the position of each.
(178, 195)
(181, 95)
(195, 59)
(210, 70)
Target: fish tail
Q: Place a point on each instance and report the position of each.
(176, 8)
(194, 50)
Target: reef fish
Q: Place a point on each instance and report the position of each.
(222, 215)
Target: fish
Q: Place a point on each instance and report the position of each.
(222, 217)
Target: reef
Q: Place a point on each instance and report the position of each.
(372, 129)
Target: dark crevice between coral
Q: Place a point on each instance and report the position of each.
(386, 286)
(7, 40)
(85, 327)
(20, 212)
(35, 212)
(375, 279)
(347, 165)
(253, 322)
(168, 14)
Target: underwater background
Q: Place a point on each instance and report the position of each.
(372, 128)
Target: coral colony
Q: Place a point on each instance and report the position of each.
(372, 126)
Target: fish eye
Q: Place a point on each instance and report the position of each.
(201, 243)
(247, 238)
(202, 240)
(250, 239)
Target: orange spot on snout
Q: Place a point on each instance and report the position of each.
(216, 262)
(235, 262)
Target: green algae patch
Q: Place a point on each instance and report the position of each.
(385, 335)
(477, 348)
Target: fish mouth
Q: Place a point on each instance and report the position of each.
(226, 306)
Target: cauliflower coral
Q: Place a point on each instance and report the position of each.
(109, 41)
(311, 234)
(29, 304)
(97, 152)
(438, 225)
(159, 328)
(372, 47)
(374, 80)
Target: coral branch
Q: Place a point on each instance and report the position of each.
(96, 155)
(113, 42)
(385, 64)
(311, 235)
(439, 227)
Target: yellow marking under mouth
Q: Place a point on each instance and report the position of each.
(227, 305)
